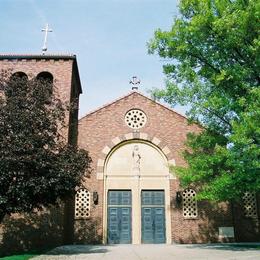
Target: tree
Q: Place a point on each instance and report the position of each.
(214, 52)
(37, 166)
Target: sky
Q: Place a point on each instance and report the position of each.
(109, 38)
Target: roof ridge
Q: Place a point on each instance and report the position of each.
(106, 105)
(164, 106)
(129, 94)
(36, 55)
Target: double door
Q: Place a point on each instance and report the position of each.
(152, 224)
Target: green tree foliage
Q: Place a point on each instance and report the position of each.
(37, 166)
(214, 52)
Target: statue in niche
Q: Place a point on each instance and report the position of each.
(136, 159)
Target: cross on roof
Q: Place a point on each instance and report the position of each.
(46, 30)
(135, 81)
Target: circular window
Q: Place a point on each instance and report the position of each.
(135, 118)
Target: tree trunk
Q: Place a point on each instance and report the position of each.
(2, 215)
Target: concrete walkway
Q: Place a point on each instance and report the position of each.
(154, 252)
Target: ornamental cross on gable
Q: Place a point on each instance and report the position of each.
(135, 81)
(45, 30)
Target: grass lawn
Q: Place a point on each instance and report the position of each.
(19, 257)
(25, 255)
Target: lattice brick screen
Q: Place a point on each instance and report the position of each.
(249, 202)
(82, 204)
(189, 204)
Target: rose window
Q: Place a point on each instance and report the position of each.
(135, 118)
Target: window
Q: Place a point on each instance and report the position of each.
(82, 204)
(20, 75)
(249, 203)
(45, 76)
(189, 204)
(135, 118)
(46, 80)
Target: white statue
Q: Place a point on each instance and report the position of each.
(136, 159)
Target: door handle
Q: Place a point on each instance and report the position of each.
(119, 225)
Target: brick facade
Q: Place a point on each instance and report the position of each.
(104, 128)
(99, 132)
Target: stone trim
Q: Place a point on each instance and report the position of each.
(166, 150)
(116, 140)
(172, 162)
(143, 136)
(100, 175)
(156, 141)
(131, 136)
(100, 162)
(106, 150)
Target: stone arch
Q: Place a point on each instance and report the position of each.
(159, 144)
(46, 78)
(117, 169)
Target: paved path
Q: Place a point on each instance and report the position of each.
(154, 252)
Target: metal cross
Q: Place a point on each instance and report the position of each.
(135, 81)
(46, 30)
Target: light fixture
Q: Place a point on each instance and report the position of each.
(95, 197)
(178, 197)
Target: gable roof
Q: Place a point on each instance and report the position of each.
(127, 95)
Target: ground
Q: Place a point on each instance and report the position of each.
(154, 252)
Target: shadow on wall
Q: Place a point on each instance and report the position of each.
(87, 231)
(204, 229)
(211, 216)
(247, 228)
(30, 232)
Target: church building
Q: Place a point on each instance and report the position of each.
(133, 142)
(132, 195)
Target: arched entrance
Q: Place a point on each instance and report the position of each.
(136, 194)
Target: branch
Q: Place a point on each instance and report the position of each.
(202, 59)
(218, 116)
